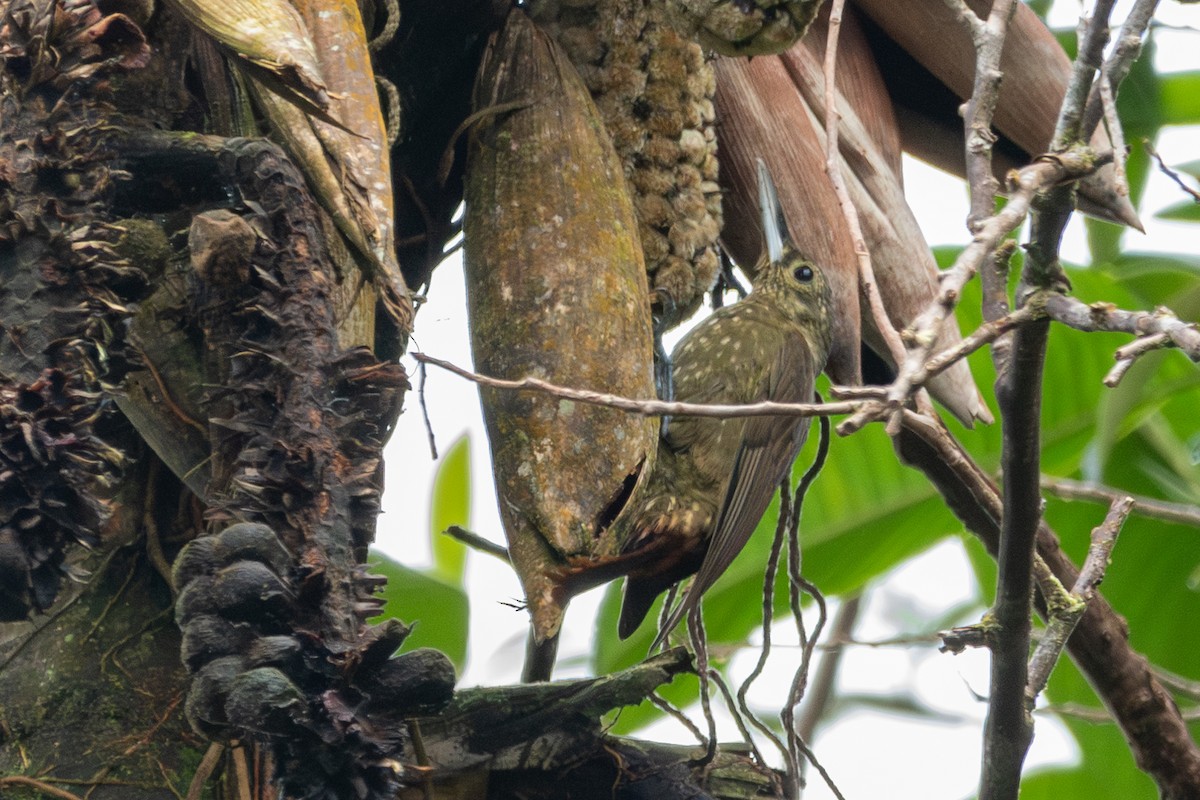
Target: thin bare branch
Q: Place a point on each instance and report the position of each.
(1008, 729)
(768, 612)
(433, 451)
(1025, 184)
(1067, 611)
(1068, 489)
(988, 37)
(1093, 36)
(1158, 328)
(1170, 173)
(650, 408)
(1178, 683)
(984, 334)
(968, 17)
(738, 712)
(699, 642)
(664, 705)
(1119, 61)
(476, 542)
(1093, 714)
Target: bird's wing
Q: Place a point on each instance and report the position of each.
(769, 446)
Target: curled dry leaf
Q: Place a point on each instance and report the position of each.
(1036, 71)
(270, 35)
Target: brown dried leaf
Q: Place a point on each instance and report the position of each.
(1036, 70)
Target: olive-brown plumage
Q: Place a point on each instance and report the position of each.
(715, 477)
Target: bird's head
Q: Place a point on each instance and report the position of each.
(789, 279)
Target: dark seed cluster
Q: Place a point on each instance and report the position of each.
(654, 89)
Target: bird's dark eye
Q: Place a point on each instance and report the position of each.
(803, 274)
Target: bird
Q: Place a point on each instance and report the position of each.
(713, 478)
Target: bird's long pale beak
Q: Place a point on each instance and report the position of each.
(773, 224)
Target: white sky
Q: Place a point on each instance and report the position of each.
(899, 748)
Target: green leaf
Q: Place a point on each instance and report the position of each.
(1183, 211)
(451, 505)
(1190, 168)
(1179, 95)
(438, 610)
(1158, 279)
(1086, 782)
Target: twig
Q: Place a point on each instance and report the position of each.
(1008, 729)
(433, 451)
(699, 641)
(36, 785)
(1009, 725)
(1170, 173)
(768, 612)
(797, 744)
(988, 37)
(1078, 711)
(1101, 715)
(1068, 489)
(1064, 619)
(909, 640)
(808, 753)
(738, 713)
(1128, 355)
(477, 542)
(984, 334)
(1178, 683)
(649, 408)
(664, 705)
(1070, 162)
(1025, 184)
(1120, 60)
(1159, 328)
(1093, 36)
